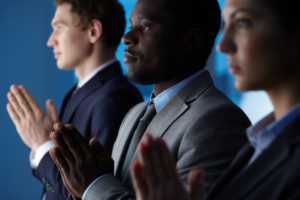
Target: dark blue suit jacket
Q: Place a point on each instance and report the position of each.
(96, 110)
(274, 175)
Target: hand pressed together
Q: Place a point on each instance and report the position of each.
(32, 124)
(80, 162)
(155, 176)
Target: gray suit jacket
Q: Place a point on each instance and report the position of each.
(201, 127)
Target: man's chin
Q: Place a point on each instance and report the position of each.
(63, 67)
(143, 78)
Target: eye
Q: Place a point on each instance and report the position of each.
(58, 27)
(242, 23)
(146, 27)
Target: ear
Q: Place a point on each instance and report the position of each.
(193, 39)
(95, 30)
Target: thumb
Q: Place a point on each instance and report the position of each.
(196, 184)
(52, 110)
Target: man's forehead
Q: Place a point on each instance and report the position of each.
(153, 10)
(63, 14)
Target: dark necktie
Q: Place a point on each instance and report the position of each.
(139, 131)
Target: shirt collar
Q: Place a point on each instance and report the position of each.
(94, 72)
(163, 98)
(268, 128)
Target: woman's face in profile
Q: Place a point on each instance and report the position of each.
(258, 48)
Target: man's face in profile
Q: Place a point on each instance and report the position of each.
(69, 41)
(151, 43)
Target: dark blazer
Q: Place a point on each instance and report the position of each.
(96, 110)
(201, 127)
(275, 174)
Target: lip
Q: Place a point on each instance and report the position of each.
(233, 68)
(56, 54)
(129, 56)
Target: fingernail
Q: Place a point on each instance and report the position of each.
(58, 125)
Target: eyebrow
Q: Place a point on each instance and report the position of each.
(147, 16)
(247, 10)
(58, 22)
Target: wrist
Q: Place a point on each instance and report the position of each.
(38, 144)
(37, 156)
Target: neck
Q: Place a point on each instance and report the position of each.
(91, 63)
(284, 97)
(162, 86)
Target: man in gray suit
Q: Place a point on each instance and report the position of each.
(168, 46)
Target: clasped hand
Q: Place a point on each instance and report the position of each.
(32, 124)
(78, 161)
(155, 176)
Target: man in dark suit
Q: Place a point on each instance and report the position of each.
(85, 36)
(168, 46)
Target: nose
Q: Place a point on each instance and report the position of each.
(51, 40)
(226, 44)
(130, 38)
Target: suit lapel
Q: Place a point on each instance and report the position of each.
(176, 107)
(270, 160)
(166, 117)
(72, 102)
(124, 136)
(179, 104)
(65, 103)
(231, 173)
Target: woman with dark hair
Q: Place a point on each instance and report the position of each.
(262, 41)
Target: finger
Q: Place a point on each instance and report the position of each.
(139, 183)
(65, 153)
(22, 101)
(160, 156)
(52, 110)
(196, 184)
(12, 99)
(29, 98)
(69, 135)
(12, 113)
(79, 140)
(54, 153)
(59, 161)
(167, 163)
(97, 147)
(145, 149)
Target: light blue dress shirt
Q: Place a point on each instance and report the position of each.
(263, 133)
(164, 97)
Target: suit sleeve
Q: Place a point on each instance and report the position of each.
(103, 123)
(49, 175)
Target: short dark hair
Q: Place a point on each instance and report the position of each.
(202, 14)
(109, 12)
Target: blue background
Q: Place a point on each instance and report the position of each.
(25, 59)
